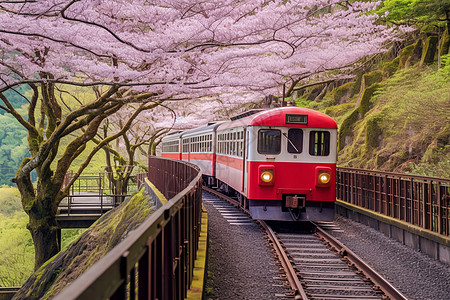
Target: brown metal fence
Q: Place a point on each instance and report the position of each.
(170, 177)
(156, 260)
(417, 200)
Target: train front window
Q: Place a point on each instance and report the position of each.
(294, 140)
(269, 141)
(319, 143)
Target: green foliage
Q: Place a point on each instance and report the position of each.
(410, 55)
(69, 235)
(445, 43)
(13, 148)
(16, 97)
(346, 129)
(426, 14)
(9, 201)
(16, 245)
(366, 98)
(445, 70)
(440, 169)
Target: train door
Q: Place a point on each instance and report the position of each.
(245, 158)
(186, 149)
(189, 149)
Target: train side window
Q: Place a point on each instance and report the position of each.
(269, 141)
(319, 143)
(295, 140)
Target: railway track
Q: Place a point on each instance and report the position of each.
(317, 266)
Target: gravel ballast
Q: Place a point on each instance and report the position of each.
(242, 266)
(414, 274)
(240, 263)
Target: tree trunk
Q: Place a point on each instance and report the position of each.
(41, 206)
(42, 223)
(45, 239)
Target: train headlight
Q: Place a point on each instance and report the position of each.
(324, 177)
(266, 176)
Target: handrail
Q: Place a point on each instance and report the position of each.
(156, 260)
(393, 174)
(418, 200)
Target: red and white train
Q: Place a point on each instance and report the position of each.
(281, 162)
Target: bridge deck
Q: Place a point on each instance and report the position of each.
(81, 209)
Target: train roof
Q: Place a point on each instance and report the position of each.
(172, 136)
(284, 116)
(210, 127)
(246, 114)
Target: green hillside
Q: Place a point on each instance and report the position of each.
(13, 147)
(395, 116)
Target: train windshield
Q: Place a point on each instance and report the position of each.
(294, 140)
(319, 143)
(269, 141)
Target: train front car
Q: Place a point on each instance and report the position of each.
(289, 165)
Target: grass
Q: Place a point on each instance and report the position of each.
(16, 244)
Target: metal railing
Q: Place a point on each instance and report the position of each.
(156, 260)
(93, 193)
(417, 200)
(168, 177)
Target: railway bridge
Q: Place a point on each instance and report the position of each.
(160, 259)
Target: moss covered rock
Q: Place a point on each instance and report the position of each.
(92, 245)
(410, 55)
(373, 132)
(429, 50)
(366, 97)
(313, 92)
(371, 78)
(357, 86)
(391, 67)
(363, 106)
(346, 129)
(343, 93)
(445, 43)
(439, 147)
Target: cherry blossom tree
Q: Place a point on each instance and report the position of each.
(147, 53)
(140, 131)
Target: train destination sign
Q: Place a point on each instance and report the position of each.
(296, 119)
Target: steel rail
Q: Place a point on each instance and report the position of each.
(380, 283)
(225, 197)
(291, 274)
